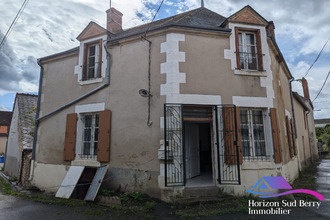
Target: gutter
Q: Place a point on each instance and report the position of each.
(292, 106)
(107, 83)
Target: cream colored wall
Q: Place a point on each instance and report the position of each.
(208, 73)
(303, 146)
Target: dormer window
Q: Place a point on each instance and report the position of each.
(92, 60)
(248, 50)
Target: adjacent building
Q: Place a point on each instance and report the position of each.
(5, 119)
(20, 138)
(194, 101)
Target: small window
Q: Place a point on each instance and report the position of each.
(90, 135)
(92, 60)
(248, 50)
(253, 134)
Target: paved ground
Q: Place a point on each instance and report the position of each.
(16, 208)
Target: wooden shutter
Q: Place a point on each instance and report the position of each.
(259, 51)
(239, 135)
(276, 136)
(289, 135)
(228, 114)
(293, 137)
(84, 67)
(103, 150)
(70, 136)
(100, 59)
(237, 48)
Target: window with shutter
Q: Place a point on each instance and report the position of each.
(248, 50)
(92, 60)
(276, 136)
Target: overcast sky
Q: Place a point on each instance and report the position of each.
(47, 27)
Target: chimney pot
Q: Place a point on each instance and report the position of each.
(271, 29)
(114, 20)
(305, 88)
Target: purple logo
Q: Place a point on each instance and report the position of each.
(278, 182)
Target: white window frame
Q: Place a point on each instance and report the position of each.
(93, 137)
(251, 140)
(244, 51)
(96, 61)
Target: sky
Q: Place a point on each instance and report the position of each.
(46, 27)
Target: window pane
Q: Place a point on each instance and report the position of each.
(240, 39)
(245, 132)
(96, 134)
(87, 134)
(86, 148)
(258, 133)
(95, 148)
(91, 51)
(88, 121)
(96, 120)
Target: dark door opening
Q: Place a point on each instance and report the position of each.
(198, 153)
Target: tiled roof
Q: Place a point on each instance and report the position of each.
(200, 18)
(27, 105)
(5, 118)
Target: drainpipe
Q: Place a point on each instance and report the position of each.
(107, 82)
(309, 138)
(149, 122)
(292, 106)
(36, 123)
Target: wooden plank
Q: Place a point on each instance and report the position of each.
(70, 136)
(70, 181)
(96, 183)
(276, 136)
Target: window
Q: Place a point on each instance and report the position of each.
(92, 60)
(253, 134)
(90, 135)
(248, 50)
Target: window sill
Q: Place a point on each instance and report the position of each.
(256, 165)
(86, 163)
(91, 81)
(250, 73)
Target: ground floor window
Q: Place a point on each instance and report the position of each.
(253, 133)
(90, 134)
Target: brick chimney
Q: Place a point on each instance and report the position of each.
(114, 20)
(271, 29)
(305, 88)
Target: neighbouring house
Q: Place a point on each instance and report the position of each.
(5, 119)
(321, 123)
(20, 138)
(187, 104)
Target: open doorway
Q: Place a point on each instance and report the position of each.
(198, 154)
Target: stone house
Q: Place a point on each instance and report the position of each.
(193, 102)
(20, 137)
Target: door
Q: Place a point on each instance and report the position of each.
(192, 149)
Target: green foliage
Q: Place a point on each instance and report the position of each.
(13, 179)
(319, 131)
(150, 206)
(106, 192)
(323, 135)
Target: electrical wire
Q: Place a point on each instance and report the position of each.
(13, 23)
(316, 58)
(154, 17)
(322, 86)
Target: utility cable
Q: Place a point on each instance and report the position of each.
(316, 58)
(13, 23)
(322, 86)
(145, 34)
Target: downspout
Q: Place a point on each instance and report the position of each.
(107, 83)
(149, 122)
(309, 138)
(36, 123)
(292, 106)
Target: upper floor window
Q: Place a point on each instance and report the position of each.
(92, 60)
(248, 50)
